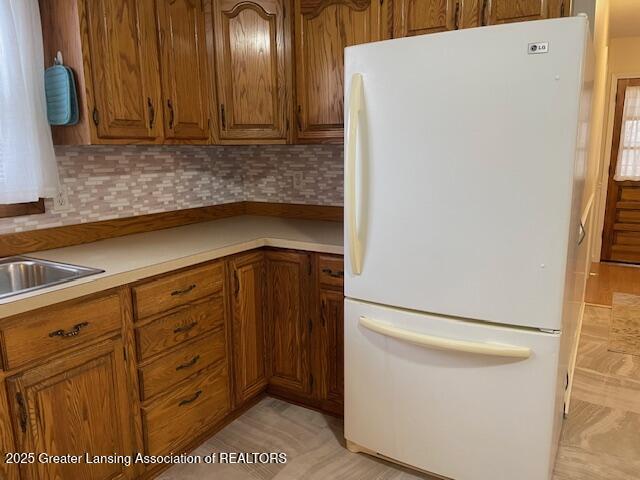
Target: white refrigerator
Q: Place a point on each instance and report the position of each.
(465, 157)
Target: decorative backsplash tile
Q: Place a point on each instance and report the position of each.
(106, 182)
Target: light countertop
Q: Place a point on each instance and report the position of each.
(134, 257)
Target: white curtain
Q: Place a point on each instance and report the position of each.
(28, 168)
(628, 166)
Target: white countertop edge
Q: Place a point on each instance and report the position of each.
(104, 281)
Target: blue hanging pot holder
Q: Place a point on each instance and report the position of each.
(60, 90)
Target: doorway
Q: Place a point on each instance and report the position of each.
(621, 234)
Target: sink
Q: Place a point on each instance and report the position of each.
(24, 274)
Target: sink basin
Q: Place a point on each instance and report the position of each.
(24, 274)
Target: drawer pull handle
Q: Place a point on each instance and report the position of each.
(190, 400)
(331, 273)
(190, 363)
(71, 333)
(183, 291)
(185, 328)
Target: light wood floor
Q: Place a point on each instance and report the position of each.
(607, 278)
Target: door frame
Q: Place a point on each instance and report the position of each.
(604, 163)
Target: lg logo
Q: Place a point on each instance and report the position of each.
(535, 48)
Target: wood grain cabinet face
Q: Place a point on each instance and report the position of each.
(323, 28)
(73, 405)
(417, 17)
(123, 61)
(176, 418)
(289, 320)
(247, 324)
(507, 11)
(253, 72)
(184, 69)
(332, 346)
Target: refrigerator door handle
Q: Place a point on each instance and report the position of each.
(429, 341)
(355, 105)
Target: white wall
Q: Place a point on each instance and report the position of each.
(623, 62)
(598, 122)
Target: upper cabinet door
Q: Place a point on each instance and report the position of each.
(253, 72)
(417, 17)
(184, 69)
(323, 28)
(124, 69)
(506, 11)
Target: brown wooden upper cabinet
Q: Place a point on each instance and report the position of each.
(253, 75)
(417, 17)
(323, 28)
(507, 11)
(184, 69)
(141, 69)
(222, 71)
(122, 84)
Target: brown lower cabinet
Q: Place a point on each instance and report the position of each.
(248, 325)
(289, 322)
(330, 350)
(305, 333)
(158, 366)
(75, 404)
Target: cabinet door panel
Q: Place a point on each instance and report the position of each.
(288, 288)
(249, 353)
(8, 471)
(184, 69)
(73, 405)
(323, 30)
(417, 17)
(332, 345)
(252, 74)
(506, 11)
(124, 68)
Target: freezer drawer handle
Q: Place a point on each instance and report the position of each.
(440, 343)
(355, 105)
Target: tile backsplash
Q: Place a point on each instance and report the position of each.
(106, 182)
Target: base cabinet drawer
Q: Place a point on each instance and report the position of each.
(49, 331)
(331, 271)
(179, 326)
(177, 289)
(172, 421)
(177, 365)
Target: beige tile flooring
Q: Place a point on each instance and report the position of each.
(624, 334)
(313, 443)
(600, 439)
(601, 436)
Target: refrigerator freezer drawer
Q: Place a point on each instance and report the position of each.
(465, 400)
